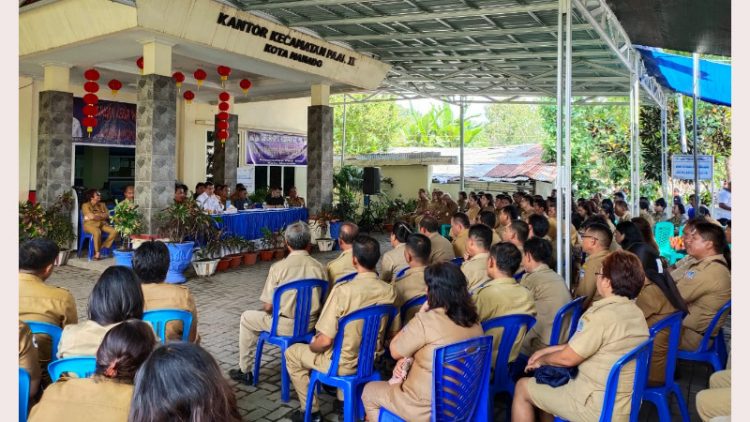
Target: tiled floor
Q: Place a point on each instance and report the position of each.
(222, 298)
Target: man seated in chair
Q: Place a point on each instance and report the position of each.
(150, 264)
(366, 289)
(441, 248)
(459, 233)
(299, 265)
(411, 285)
(478, 246)
(342, 265)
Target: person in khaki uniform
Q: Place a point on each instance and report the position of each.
(706, 285)
(488, 219)
(28, 358)
(517, 233)
(548, 290)
(622, 211)
(412, 284)
(474, 266)
(106, 396)
(658, 299)
(716, 400)
(151, 263)
(473, 210)
(293, 200)
(346, 297)
(441, 248)
(447, 209)
(116, 297)
(459, 233)
(552, 218)
(38, 301)
(342, 265)
(437, 324)
(595, 242)
(299, 265)
(95, 218)
(394, 260)
(507, 215)
(610, 328)
(423, 202)
(501, 295)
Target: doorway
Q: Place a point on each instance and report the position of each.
(109, 169)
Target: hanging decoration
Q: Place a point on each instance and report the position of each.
(115, 86)
(188, 96)
(222, 125)
(200, 76)
(90, 109)
(179, 78)
(224, 72)
(91, 75)
(139, 63)
(245, 84)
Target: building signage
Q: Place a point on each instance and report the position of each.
(683, 167)
(275, 149)
(284, 45)
(115, 123)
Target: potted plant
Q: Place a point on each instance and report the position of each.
(127, 220)
(249, 256)
(53, 223)
(258, 197)
(319, 227)
(234, 244)
(184, 224)
(266, 254)
(207, 258)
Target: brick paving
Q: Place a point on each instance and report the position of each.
(223, 297)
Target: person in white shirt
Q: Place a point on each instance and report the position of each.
(208, 201)
(725, 203)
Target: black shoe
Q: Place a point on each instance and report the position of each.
(241, 377)
(338, 407)
(299, 416)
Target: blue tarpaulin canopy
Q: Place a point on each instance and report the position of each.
(676, 73)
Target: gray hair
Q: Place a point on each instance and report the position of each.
(297, 235)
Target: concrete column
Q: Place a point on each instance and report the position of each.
(319, 157)
(157, 57)
(156, 126)
(54, 154)
(225, 156)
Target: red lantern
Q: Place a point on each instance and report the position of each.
(139, 63)
(224, 96)
(222, 124)
(245, 85)
(91, 87)
(224, 72)
(179, 78)
(223, 115)
(223, 135)
(90, 99)
(115, 86)
(200, 76)
(188, 96)
(91, 75)
(223, 106)
(90, 110)
(90, 124)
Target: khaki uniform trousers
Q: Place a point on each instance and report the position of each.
(96, 229)
(252, 323)
(379, 394)
(717, 399)
(299, 361)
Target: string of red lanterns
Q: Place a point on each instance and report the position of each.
(222, 125)
(90, 110)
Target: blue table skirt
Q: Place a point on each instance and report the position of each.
(249, 224)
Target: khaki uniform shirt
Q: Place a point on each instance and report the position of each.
(346, 297)
(550, 294)
(472, 213)
(393, 261)
(340, 267)
(82, 339)
(655, 307)
(84, 399)
(409, 287)
(500, 297)
(646, 216)
(587, 278)
(38, 301)
(422, 205)
(459, 243)
(89, 211)
(442, 250)
(706, 287)
(496, 237)
(171, 296)
(609, 329)
(682, 266)
(552, 233)
(475, 270)
(299, 265)
(298, 202)
(28, 358)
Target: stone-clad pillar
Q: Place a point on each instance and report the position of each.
(156, 127)
(225, 156)
(319, 157)
(54, 154)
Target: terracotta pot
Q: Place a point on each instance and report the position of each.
(223, 264)
(279, 253)
(266, 255)
(236, 260)
(250, 258)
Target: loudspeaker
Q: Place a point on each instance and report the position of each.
(371, 181)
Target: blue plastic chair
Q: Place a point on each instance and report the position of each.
(519, 276)
(445, 230)
(82, 366)
(660, 395)
(401, 273)
(712, 350)
(458, 260)
(574, 309)
(503, 378)
(415, 301)
(347, 277)
(352, 385)
(460, 382)
(158, 318)
(641, 355)
(51, 330)
(300, 333)
(83, 235)
(24, 381)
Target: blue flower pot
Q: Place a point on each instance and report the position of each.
(180, 256)
(124, 258)
(335, 228)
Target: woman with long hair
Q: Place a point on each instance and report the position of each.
(658, 299)
(107, 394)
(116, 297)
(448, 316)
(627, 234)
(647, 231)
(181, 382)
(394, 259)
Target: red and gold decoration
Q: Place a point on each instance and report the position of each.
(200, 76)
(139, 63)
(222, 125)
(188, 96)
(245, 84)
(90, 109)
(223, 72)
(179, 78)
(114, 85)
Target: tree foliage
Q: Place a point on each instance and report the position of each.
(439, 127)
(512, 124)
(370, 127)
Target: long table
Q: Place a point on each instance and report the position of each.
(249, 224)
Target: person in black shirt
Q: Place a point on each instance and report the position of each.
(274, 198)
